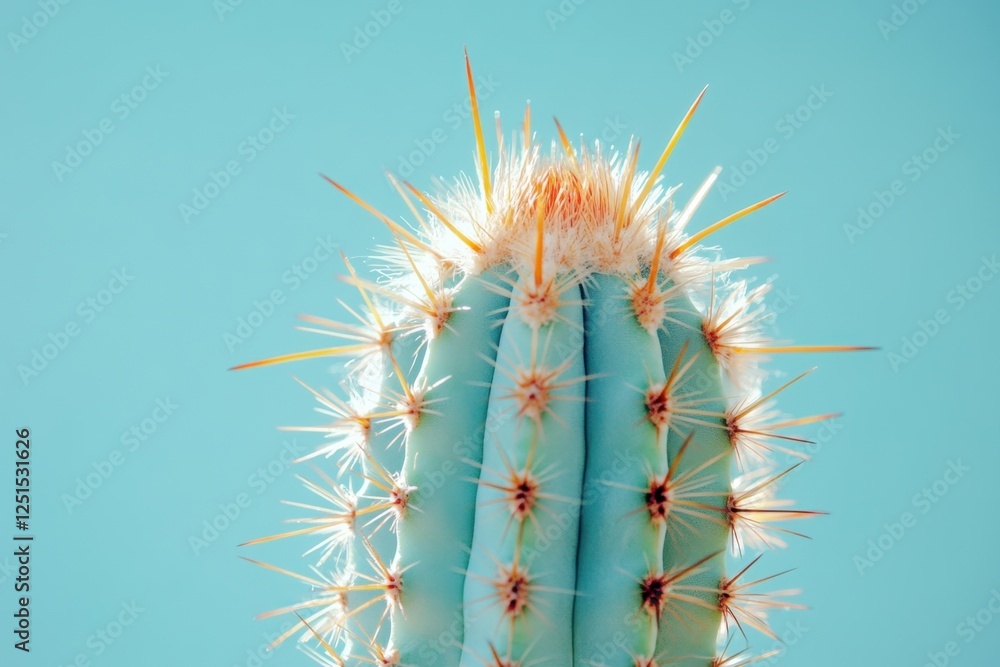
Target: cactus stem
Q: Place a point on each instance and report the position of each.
(536, 386)
(520, 489)
(539, 304)
(576, 505)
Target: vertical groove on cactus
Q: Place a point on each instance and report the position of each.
(621, 542)
(441, 451)
(697, 408)
(522, 570)
(554, 430)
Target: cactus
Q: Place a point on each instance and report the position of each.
(553, 430)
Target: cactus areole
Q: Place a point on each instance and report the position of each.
(552, 432)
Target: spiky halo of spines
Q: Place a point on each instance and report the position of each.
(469, 231)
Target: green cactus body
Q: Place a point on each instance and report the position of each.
(621, 545)
(532, 464)
(550, 443)
(450, 437)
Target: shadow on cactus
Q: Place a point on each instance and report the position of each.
(553, 429)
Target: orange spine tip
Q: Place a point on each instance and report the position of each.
(484, 163)
(425, 200)
(392, 224)
(564, 140)
(797, 349)
(298, 356)
(651, 180)
(725, 222)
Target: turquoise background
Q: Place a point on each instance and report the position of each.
(595, 64)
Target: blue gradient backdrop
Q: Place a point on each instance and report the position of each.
(156, 97)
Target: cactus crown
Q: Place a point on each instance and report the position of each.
(550, 391)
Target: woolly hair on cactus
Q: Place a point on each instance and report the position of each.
(552, 432)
